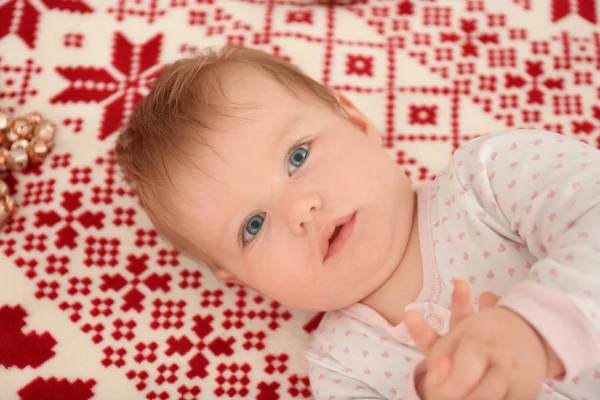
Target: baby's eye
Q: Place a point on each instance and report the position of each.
(252, 227)
(297, 158)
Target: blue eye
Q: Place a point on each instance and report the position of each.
(297, 158)
(252, 227)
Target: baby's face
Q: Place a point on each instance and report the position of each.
(295, 201)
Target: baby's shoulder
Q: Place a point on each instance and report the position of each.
(512, 141)
(334, 322)
(352, 348)
(505, 155)
(338, 327)
(339, 331)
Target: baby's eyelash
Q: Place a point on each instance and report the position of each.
(241, 231)
(299, 143)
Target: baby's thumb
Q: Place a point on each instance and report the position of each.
(422, 334)
(487, 300)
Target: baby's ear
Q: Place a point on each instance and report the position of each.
(226, 276)
(358, 119)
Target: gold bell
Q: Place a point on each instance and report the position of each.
(17, 159)
(46, 130)
(37, 150)
(4, 119)
(22, 127)
(11, 135)
(4, 214)
(19, 144)
(3, 160)
(8, 209)
(11, 205)
(24, 140)
(33, 117)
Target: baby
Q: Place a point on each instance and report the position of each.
(280, 184)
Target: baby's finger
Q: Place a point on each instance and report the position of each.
(438, 372)
(422, 334)
(493, 386)
(461, 303)
(487, 300)
(469, 365)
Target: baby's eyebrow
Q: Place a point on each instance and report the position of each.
(289, 125)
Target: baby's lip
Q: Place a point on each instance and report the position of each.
(327, 231)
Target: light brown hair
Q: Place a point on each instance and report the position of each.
(181, 106)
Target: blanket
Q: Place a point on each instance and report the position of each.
(95, 305)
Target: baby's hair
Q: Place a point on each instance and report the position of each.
(178, 110)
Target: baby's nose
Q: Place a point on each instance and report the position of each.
(301, 210)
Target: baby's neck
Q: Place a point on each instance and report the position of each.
(405, 283)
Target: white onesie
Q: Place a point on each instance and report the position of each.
(515, 213)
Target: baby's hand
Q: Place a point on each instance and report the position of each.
(492, 354)
(425, 337)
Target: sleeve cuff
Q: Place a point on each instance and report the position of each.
(559, 322)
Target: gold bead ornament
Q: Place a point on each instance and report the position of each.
(24, 141)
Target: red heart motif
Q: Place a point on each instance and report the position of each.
(18, 349)
(55, 389)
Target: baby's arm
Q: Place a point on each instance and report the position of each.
(542, 190)
(432, 373)
(326, 384)
(329, 379)
(349, 359)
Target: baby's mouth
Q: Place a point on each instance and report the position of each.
(335, 234)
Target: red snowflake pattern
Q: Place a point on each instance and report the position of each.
(98, 282)
(137, 67)
(22, 16)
